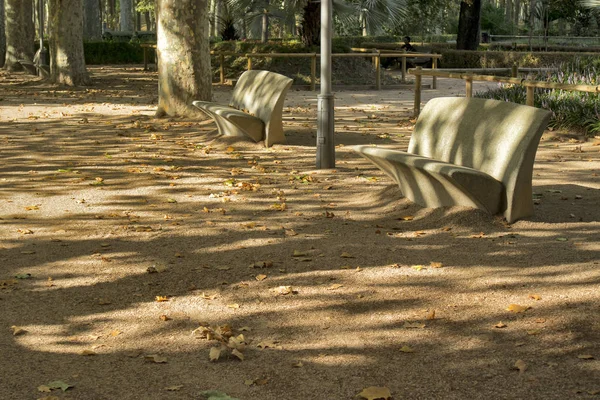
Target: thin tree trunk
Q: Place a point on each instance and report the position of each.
(509, 11)
(20, 33)
(111, 11)
(125, 16)
(67, 62)
(147, 21)
(92, 20)
(183, 49)
(468, 25)
(2, 35)
(532, 6)
(218, 18)
(517, 13)
(265, 24)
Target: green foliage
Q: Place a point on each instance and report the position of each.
(493, 21)
(108, 52)
(570, 110)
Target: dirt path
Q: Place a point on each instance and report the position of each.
(120, 235)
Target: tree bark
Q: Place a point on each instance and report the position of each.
(126, 16)
(468, 25)
(67, 62)
(218, 18)
(147, 21)
(265, 24)
(310, 29)
(183, 50)
(2, 35)
(92, 20)
(20, 33)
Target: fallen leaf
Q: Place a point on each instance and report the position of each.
(214, 354)
(260, 277)
(346, 255)
(161, 298)
(376, 393)
(283, 290)
(406, 349)
(209, 296)
(155, 358)
(272, 344)
(500, 325)
(116, 332)
(298, 253)
(517, 308)
(434, 264)
(335, 286)
(562, 239)
(417, 267)
(164, 317)
(23, 276)
(535, 297)
(173, 388)
(431, 315)
(87, 353)
(298, 364)
(533, 332)
(234, 305)
(18, 331)
(520, 366)
(238, 354)
(407, 218)
(585, 357)
(54, 385)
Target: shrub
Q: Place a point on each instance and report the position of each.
(570, 110)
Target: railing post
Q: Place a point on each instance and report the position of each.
(417, 106)
(249, 62)
(469, 86)
(378, 71)
(145, 58)
(514, 72)
(222, 67)
(530, 95)
(313, 72)
(434, 66)
(404, 68)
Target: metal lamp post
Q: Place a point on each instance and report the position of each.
(325, 110)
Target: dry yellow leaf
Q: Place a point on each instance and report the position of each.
(535, 297)
(17, 330)
(214, 354)
(335, 286)
(298, 364)
(238, 354)
(407, 218)
(234, 305)
(88, 353)
(500, 325)
(173, 388)
(155, 358)
(431, 315)
(517, 308)
(376, 393)
(520, 365)
(585, 357)
(406, 349)
(161, 298)
(283, 290)
(417, 267)
(435, 264)
(116, 332)
(208, 296)
(346, 255)
(164, 317)
(533, 332)
(260, 277)
(298, 253)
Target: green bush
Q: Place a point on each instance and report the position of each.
(570, 110)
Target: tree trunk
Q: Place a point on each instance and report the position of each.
(111, 11)
(310, 29)
(532, 7)
(20, 33)
(183, 49)
(517, 13)
(468, 25)
(67, 62)
(265, 24)
(2, 35)
(125, 16)
(147, 21)
(92, 20)
(289, 20)
(362, 18)
(508, 12)
(218, 18)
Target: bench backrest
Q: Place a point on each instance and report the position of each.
(495, 137)
(260, 93)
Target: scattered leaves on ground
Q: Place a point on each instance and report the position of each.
(376, 393)
(517, 308)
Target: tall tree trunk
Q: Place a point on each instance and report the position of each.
(92, 20)
(508, 12)
(211, 18)
(532, 7)
(362, 18)
(183, 49)
(147, 21)
(111, 11)
(468, 25)
(20, 33)
(289, 22)
(517, 13)
(310, 29)
(67, 62)
(218, 18)
(125, 16)
(2, 35)
(265, 24)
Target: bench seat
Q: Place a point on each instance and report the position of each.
(256, 107)
(469, 152)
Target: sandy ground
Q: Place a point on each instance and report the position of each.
(121, 235)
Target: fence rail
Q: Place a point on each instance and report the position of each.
(469, 78)
(375, 55)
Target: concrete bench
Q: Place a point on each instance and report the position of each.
(255, 109)
(468, 152)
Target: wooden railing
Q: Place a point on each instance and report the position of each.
(469, 78)
(376, 56)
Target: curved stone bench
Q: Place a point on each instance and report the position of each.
(255, 109)
(468, 152)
